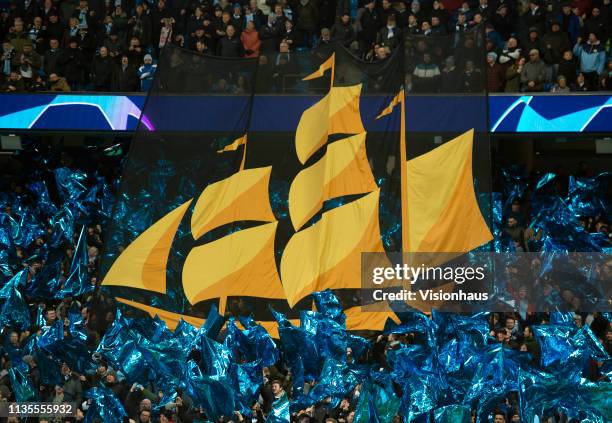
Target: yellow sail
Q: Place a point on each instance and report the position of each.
(336, 113)
(443, 213)
(172, 319)
(143, 263)
(327, 254)
(242, 196)
(343, 170)
(240, 264)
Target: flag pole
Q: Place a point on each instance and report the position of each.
(403, 172)
(244, 153)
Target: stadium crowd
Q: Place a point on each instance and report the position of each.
(112, 45)
(36, 199)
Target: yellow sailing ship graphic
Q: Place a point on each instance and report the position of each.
(323, 255)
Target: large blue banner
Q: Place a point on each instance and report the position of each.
(507, 113)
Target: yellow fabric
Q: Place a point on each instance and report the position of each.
(234, 145)
(336, 113)
(242, 196)
(343, 170)
(143, 263)
(328, 64)
(239, 264)
(443, 214)
(328, 253)
(357, 319)
(394, 102)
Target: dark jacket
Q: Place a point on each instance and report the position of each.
(125, 80)
(101, 72)
(555, 43)
(230, 47)
(51, 61)
(345, 34)
(72, 63)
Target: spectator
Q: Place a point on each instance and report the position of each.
(471, 78)
(54, 28)
(592, 59)
(495, 74)
(606, 80)
(450, 77)
(114, 45)
(567, 66)
(29, 63)
(72, 63)
(35, 34)
(370, 23)
(307, 21)
(533, 41)
(390, 35)
(555, 44)
(580, 85)
(426, 75)
(52, 57)
(102, 70)
(533, 74)
(570, 23)
(597, 23)
(140, 25)
(561, 86)
(230, 45)
(343, 31)
(71, 32)
(510, 53)
(135, 52)
(250, 40)
(57, 83)
(269, 36)
(14, 84)
(146, 73)
(124, 77)
(293, 37)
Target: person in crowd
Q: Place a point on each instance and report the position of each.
(343, 31)
(495, 74)
(307, 21)
(426, 75)
(102, 70)
(57, 83)
(293, 37)
(124, 77)
(513, 75)
(390, 35)
(567, 66)
(561, 87)
(251, 43)
(230, 45)
(533, 75)
(73, 63)
(450, 78)
(146, 73)
(580, 84)
(592, 56)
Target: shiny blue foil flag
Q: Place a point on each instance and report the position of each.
(15, 311)
(21, 386)
(104, 406)
(453, 414)
(280, 410)
(214, 394)
(78, 282)
(329, 305)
